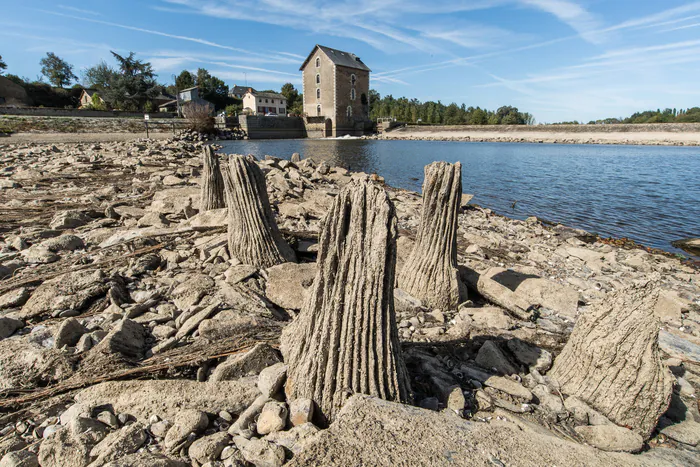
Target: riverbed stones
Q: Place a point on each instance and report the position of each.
(686, 432)
(209, 448)
(612, 360)
(611, 438)
(69, 333)
(355, 279)
(71, 291)
(430, 272)
(260, 357)
(186, 422)
(273, 417)
(288, 284)
(491, 356)
(14, 298)
(253, 236)
(8, 326)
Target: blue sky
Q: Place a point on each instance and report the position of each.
(557, 59)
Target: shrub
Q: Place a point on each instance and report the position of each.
(198, 117)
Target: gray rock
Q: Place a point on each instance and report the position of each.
(191, 290)
(63, 449)
(686, 432)
(261, 453)
(19, 459)
(64, 242)
(160, 429)
(92, 430)
(510, 387)
(272, 378)
(585, 414)
(246, 421)
(492, 357)
(208, 448)
(146, 459)
(289, 283)
(37, 254)
(187, 421)
(611, 438)
(301, 411)
(69, 220)
(8, 326)
(272, 418)
(71, 291)
(250, 363)
(14, 298)
(127, 337)
(119, 444)
(533, 357)
(69, 333)
(295, 439)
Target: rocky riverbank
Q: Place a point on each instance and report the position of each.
(129, 335)
(644, 134)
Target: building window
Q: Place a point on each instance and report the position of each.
(282, 111)
(266, 101)
(318, 93)
(318, 62)
(349, 111)
(318, 110)
(318, 78)
(352, 94)
(353, 79)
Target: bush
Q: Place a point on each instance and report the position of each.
(233, 109)
(198, 117)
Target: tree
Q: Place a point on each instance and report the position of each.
(291, 94)
(212, 89)
(57, 70)
(3, 65)
(184, 80)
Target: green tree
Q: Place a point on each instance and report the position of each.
(57, 71)
(292, 95)
(184, 80)
(212, 89)
(3, 65)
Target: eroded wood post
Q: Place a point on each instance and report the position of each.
(612, 360)
(212, 193)
(430, 272)
(345, 340)
(253, 236)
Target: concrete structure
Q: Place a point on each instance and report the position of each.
(336, 86)
(261, 127)
(262, 103)
(188, 95)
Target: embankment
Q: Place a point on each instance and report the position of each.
(668, 134)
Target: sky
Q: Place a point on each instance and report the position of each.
(560, 60)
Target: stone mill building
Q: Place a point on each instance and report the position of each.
(336, 88)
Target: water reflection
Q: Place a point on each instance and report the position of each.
(650, 194)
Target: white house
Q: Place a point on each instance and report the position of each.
(261, 103)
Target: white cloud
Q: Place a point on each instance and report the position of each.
(79, 10)
(573, 14)
(240, 77)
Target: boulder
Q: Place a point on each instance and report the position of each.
(533, 357)
(191, 290)
(272, 378)
(611, 438)
(273, 417)
(62, 448)
(491, 356)
(69, 333)
(64, 242)
(8, 326)
(174, 200)
(247, 364)
(127, 337)
(295, 439)
(26, 364)
(69, 220)
(301, 411)
(166, 398)
(14, 298)
(288, 284)
(261, 452)
(71, 291)
(119, 443)
(371, 431)
(19, 459)
(208, 448)
(186, 421)
(686, 432)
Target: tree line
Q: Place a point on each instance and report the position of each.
(691, 115)
(437, 113)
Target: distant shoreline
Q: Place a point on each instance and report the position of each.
(671, 134)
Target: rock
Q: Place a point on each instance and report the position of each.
(405, 303)
(510, 387)
(153, 219)
(547, 400)
(583, 413)
(193, 322)
(69, 220)
(187, 421)
(686, 432)
(168, 397)
(64, 242)
(262, 453)
(371, 431)
(295, 439)
(611, 438)
(37, 254)
(301, 411)
(612, 360)
(529, 355)
(160, 429)
(172, 180)
(127, 337)
(191, 290)
(146, 459)
(24, 363)
(19, 459)
(8, 326)
(670, 307)
(108, 418)
(69, 333)
(272, 378)
(488, 317)
(63, 449)
(246, 421)
(208, 448)
(490, 356)
(119, 444)
(250, 363)
(236, 274)
(273, 417)
(14, 298)
(71, 291)
(691, 245)
(288, 284)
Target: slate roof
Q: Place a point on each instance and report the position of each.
(239, 90)
(269, 95)
(338, 57)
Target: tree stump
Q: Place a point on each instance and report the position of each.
(253, 236)
(345, 339)
(430, 272)
(612, 360)
(212, 195)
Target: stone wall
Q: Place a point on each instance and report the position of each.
(58, 112)
(353, 125)
(31, 124)
(261, 127)
(613, 128)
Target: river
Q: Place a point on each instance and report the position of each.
(650, 194)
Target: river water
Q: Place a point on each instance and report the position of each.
(650, 194)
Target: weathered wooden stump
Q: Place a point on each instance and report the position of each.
(345, 340)
(212, 193)
(253, 236)
(430, 272)
(612, 360)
